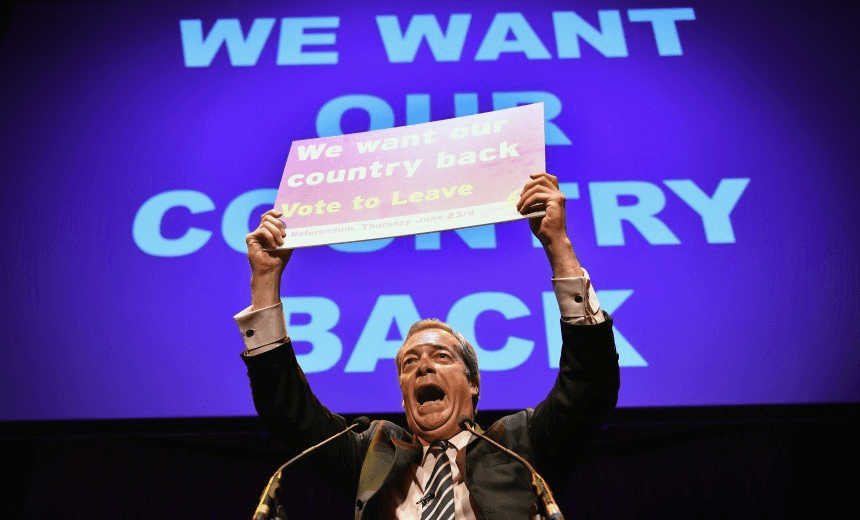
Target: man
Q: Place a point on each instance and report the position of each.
(435, 470)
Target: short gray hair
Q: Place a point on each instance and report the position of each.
(467, 352)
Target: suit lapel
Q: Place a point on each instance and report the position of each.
(384, 462)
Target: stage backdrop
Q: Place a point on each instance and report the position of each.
(708, 150)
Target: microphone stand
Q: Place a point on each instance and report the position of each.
(267, 499)
(539, 485)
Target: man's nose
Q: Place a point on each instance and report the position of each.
(425, 366)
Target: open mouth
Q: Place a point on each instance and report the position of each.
(429, 394)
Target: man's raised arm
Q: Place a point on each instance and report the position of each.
(577, 300)
(586, 388)
(282, 396)
(262, 324)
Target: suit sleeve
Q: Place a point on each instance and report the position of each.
(584, 393)
(284, 400)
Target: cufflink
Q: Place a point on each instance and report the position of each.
(249, 333)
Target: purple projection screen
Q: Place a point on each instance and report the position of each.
(708, 150)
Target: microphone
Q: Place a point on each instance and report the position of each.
(267, 499)
(539, 485)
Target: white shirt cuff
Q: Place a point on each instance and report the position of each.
(262, 329)
(577, 300)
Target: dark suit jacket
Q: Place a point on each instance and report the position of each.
(552, 436)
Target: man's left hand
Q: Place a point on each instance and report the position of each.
(541, 193)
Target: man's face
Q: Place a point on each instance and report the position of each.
(436, 392)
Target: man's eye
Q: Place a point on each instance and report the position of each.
(409, 361)
(444, 355)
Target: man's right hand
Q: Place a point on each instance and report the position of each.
(267, 262)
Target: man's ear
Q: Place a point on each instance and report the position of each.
(473, 386)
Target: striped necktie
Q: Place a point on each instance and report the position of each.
(440, 486)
